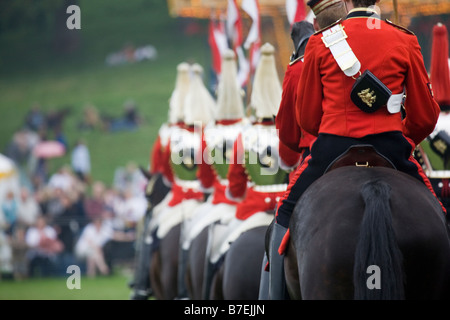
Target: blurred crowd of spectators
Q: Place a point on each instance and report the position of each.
(54, 220)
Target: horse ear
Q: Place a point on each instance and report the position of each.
(145, 172)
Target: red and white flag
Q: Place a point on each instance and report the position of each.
(295, 11)
(234, 24)
(253, 41)
(251, 7)
(218, 42)
(244, 67)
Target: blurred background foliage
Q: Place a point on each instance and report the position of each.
(43, 62)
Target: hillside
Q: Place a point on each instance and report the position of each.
(33, 70)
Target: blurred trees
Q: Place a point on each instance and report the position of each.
(44, 18)
(27, 15)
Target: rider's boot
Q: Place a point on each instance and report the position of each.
(182, 263)
(264, 282)
(277, 281)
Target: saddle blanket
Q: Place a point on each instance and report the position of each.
(222, 236)
(205, 215)
(172, 216)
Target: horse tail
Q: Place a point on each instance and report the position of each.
(378, 269)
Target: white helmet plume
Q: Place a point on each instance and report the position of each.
(266, 91)
(229, 98)
(199, 103)
(177, 99)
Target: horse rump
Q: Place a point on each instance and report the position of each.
(368, 233)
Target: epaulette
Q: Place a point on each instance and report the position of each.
(399, 27)
(295, 60)
(328, 27)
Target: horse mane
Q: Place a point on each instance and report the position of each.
(377, 245)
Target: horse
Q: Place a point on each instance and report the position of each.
(367, 233)
(196, 265)
(237, 267)
(165, 273)
(164, 266)
(239, 276)
(155, 192)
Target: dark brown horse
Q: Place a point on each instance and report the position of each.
(164, 265)
(239, 276)
(196, 265)
(368, 233)
(167, 272)
(155, 192)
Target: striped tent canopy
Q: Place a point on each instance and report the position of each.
(406, 9)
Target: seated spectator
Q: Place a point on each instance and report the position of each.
(44, 248)
(60, 136)
(68, 225)
(54, 204)
(63, 179)
(95, 205)
(130, 178)
(10, 212)
(81, 161)
(19, 250)
(130, 119)
(29, 209)
(91, 118)
(89, 246)
(35, 118)
(55, 117)
(128, 211)
(6, 263)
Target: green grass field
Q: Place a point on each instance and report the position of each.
(101, 288)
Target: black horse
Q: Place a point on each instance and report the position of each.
(238, 278)
(155, 192)
(368, 233)
(196, 265)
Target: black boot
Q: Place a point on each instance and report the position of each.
(277, 281)
(264, 282)
(182, 263)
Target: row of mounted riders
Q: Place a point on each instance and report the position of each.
(349, 221)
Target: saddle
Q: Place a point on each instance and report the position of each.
(360, 155)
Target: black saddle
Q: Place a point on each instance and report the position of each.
(360, 155)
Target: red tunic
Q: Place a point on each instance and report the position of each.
(390, 53)
(289, 131)
(156, 156)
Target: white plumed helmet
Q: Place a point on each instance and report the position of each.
(229, 98)
(266, 91)
(177, 99)
(199, 103)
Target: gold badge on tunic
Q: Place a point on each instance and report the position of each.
(367, 96)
